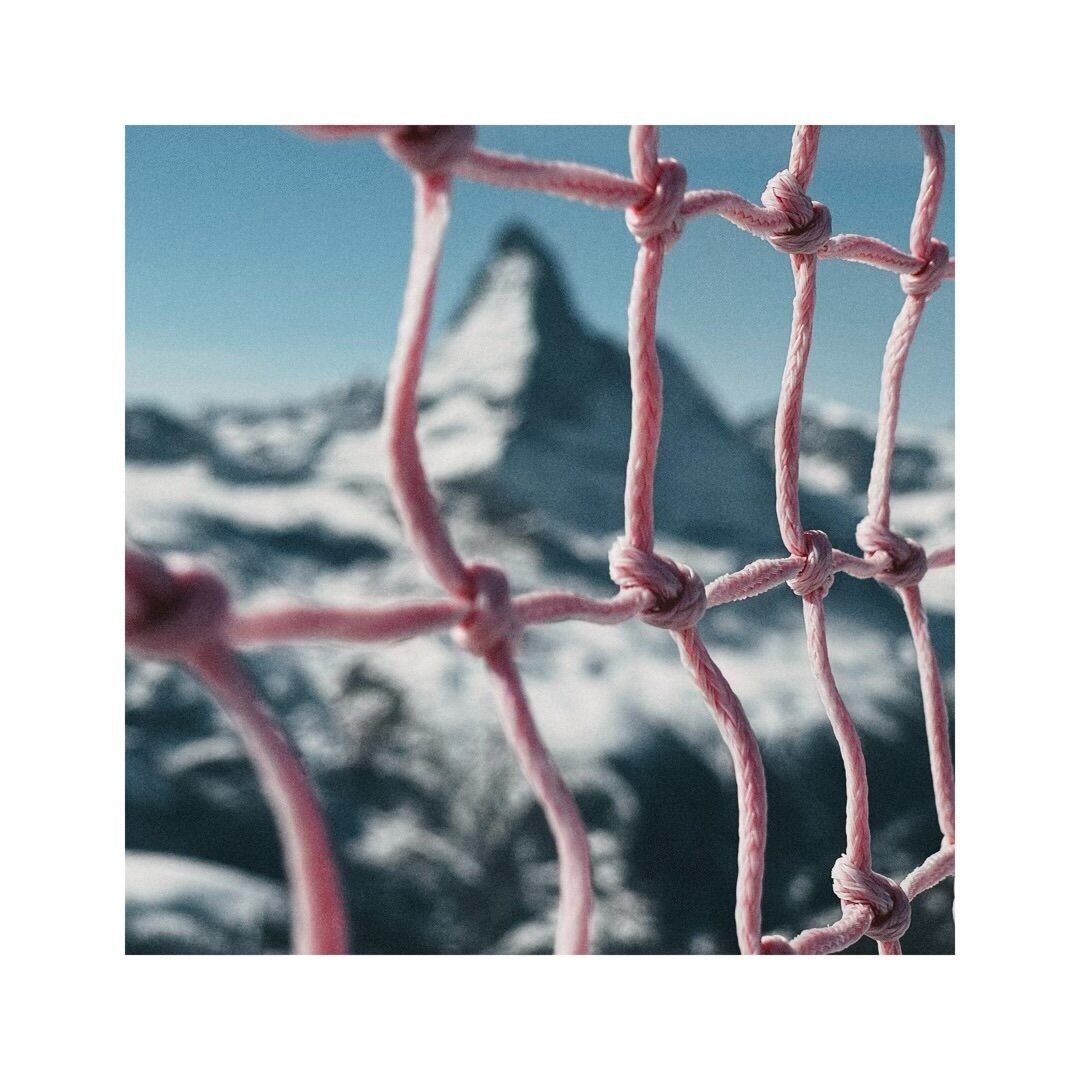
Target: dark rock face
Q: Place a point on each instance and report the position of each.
(153, 436)
(245, 546)
(851, 449)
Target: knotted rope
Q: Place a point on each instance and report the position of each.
(927, 280)
(817, 573)
(907, 563)
(679, 592)
(491, 620)
(181, 612)
(809, 223)
(659, 215)
(429, 149)
(888, 902)
(172, 613)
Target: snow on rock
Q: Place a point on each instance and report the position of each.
(184, 905)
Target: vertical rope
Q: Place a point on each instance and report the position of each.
(490, 627)
(415, 504)
(318, 920)
(571, 840)
(789, 411)
(646, 395)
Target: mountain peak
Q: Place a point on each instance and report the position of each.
(520, 268)
(522, 398)
(516, 236)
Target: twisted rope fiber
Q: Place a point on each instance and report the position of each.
(181, 613)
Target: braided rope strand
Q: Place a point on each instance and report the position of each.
(319, 919)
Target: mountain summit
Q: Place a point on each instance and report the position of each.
(522, 397)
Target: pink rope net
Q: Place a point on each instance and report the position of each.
(180, 613)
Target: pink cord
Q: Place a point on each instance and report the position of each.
(739, 738)
(413, 499)
(571, 841)
(390, 622)
(894, 560)
(490, 626)
(681, 598)
(320, 924)
(184, 615)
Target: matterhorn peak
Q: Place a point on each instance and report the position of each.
(521, 261)
(516, 302)
(522, 398)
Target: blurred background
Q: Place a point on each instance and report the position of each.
(264, 280)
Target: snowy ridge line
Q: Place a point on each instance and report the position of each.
(182, 614)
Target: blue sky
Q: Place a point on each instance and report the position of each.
(262, 266)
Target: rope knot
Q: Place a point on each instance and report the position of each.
(932, 273)
(491, 619)
(429, 148)
(658, 214)
(170, 612)
(817, 571)
(809, 223)
(907, 559)
(776, 945)
(889, 903)
(679, 592)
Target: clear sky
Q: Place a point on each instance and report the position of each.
(263, 266)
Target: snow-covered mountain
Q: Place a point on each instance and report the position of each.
(524, 425)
